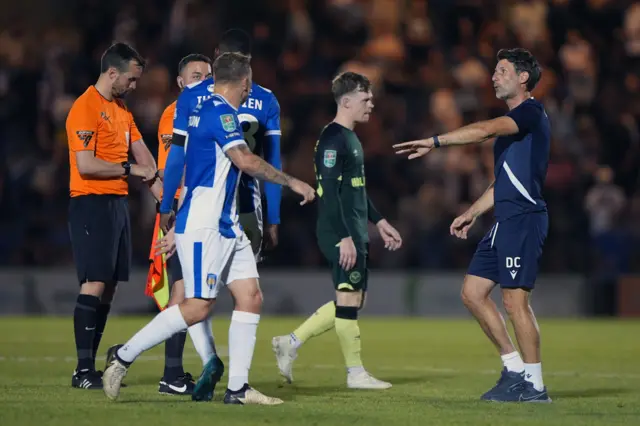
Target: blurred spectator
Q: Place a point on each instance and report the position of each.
(431, 62)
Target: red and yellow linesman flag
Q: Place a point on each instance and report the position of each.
(157, 279)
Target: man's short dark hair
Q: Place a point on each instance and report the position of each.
(193, 57)
(235, 40)
(119, 55)
(523, 61)
(349, 82)
(231, 67)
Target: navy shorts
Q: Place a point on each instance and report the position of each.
(509, 253)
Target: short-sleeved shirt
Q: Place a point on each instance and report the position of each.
(105, 127)
(521, 162)
(211, 179)
(259, 116)
(165, 137)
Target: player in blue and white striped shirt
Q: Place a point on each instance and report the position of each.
(259, 117)
(212, 247)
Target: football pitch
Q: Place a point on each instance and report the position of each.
(438, 368)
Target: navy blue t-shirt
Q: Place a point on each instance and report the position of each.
(521, 162)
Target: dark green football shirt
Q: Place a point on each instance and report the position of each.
(343, 205)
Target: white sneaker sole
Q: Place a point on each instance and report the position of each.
(282, 359)
(369, 386)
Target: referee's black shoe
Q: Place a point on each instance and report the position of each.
(86, 379)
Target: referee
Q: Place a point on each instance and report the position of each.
(101, 132)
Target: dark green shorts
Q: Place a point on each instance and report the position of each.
(355, 279)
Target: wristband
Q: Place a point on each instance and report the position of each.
(127, 167)
(436, 142)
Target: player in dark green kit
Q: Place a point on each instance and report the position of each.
(344, 211)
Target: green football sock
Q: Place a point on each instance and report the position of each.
(349, 335)
(320, 322)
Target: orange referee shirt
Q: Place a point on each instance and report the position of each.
(165, 136)
(106, 128)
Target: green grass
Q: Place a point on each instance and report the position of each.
(439, 368)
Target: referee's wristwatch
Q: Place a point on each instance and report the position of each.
(127, 167)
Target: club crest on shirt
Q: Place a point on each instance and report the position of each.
(228, 123)
(85, 136)
(329, 159)
(166, 140)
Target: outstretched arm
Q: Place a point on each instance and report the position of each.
(523, 118)
(251, 164)
(479, 132)
(472, 133)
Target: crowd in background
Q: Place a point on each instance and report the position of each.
(431, 63)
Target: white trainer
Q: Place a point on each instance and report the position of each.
(112, 379)
(286, 353)
(251, 397)
(364, 380)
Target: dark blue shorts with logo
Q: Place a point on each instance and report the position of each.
(509, 254)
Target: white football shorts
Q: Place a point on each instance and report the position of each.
(210, 260)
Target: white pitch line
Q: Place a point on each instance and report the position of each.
(223, 353)
(600, 375)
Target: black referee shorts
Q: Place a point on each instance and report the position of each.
(100, 231)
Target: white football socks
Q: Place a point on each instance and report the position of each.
(202, 338)
(295, 342)
(513, 362)
(162, 327)
(242, 342)
(533, 374)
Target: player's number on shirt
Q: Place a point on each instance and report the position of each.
(250, 127)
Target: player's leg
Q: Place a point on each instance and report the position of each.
(520, 248)
(481, 279)
(242, 279)
(103, 314)
(92, 232)
(174, 347)
(350, 289)
(323, 319)
(286, 347)
(476, 297)
(199, 299)
(174, 380)
(119, 211)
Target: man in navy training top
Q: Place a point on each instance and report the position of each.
(510, 252)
